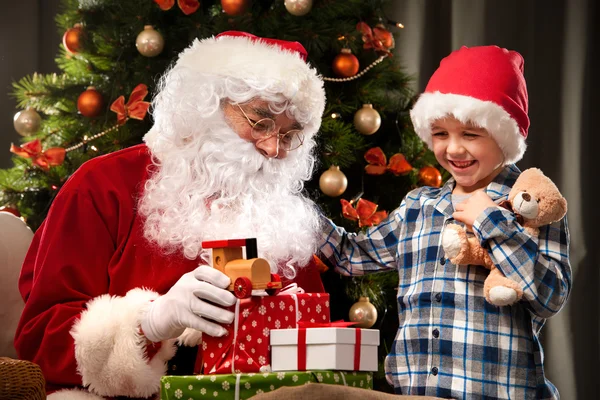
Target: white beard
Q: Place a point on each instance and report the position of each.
(213, 185)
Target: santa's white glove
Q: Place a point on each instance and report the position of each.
(186, 305)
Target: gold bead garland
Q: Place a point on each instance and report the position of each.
(86, 141)
(361, 73)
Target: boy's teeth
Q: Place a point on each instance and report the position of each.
(462, 163)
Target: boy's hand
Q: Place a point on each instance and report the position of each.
(468, 211)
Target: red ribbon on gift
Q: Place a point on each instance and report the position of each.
(302, 326)
(334, 324)
(357, 343)
(301, 349)
(43, 159)
(135, 108)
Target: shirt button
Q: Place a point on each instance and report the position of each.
(442, 261)
(438, 297)
(436, 333)
(434, 371)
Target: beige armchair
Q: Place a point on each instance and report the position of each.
(15, 237)
(18, 379)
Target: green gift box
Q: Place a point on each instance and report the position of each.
(244, 386)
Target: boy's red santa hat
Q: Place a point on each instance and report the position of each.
(263, 62)
(481, 85)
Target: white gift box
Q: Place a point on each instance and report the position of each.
(326, 348)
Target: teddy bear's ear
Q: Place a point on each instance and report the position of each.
(559, 209)
(563, 203)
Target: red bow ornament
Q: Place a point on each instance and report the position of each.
(187, 6)
(43, 159)
(378, 38)
(321, 266)
(135, 108)
(378, 163)
(365, 212)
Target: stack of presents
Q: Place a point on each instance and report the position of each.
(285, 339)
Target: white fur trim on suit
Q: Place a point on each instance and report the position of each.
(486, 114)
(110, 349)
(261, 65)
(73, 394)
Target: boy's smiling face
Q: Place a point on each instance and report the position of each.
(468, 152)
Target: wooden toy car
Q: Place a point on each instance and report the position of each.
(247, 274)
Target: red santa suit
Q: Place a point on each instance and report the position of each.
(89, 276)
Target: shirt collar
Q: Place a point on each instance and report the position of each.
(497, 189)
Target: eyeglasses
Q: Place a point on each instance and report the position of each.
(266, 128)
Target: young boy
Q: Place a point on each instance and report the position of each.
(451, 343)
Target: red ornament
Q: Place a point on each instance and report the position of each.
(345, 64)
(235, 7)
(90, 103)
(187, 6)
(430, 176)
(72, 39)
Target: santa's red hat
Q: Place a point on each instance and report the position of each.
(481, 85)
(263, 62)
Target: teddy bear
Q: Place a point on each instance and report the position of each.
(536, 201)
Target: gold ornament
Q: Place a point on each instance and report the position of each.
(235, 7)
(149, 42)
(298, 7)
(363, 312)
(333, 182)
(345, 64)
(90, 103)
(27, 122)
(367, 120)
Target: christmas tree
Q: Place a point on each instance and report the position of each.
(114, 51)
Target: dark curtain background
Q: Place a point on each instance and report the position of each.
(28, 43)
(560, 47)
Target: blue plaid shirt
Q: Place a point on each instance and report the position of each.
(451, 343)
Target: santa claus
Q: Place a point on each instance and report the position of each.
(117, 272)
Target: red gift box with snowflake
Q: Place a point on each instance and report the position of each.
(246, 346)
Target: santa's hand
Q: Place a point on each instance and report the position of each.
(188, 305)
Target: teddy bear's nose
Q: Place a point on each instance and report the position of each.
(526, 196)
